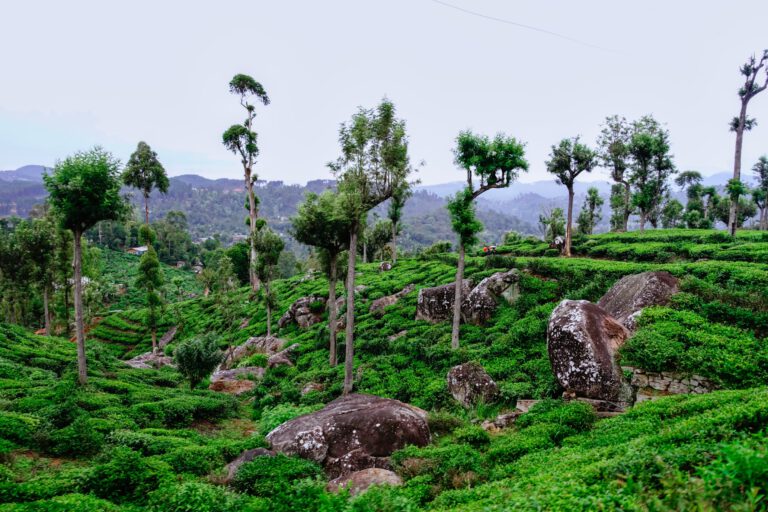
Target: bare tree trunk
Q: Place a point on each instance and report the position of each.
(154, 341)
(332, 358)
(146, 211)
(642, 221)
(82, 370)
(457, 298)
(66, 307)
(101, 240)
(46, 311)
(764, 218)
(365, 252)
(569, 223)
(627, 197)
(394, 243)
(269, 309)
(732, 215)
(350, 328)
(252, 214)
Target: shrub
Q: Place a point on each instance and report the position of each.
(573, 416)
(126, 476)
(195, 460)
(197, 358)
(270, 476)
(442, 422)
(472, 435)
(79, 438)
(273, 417)
(192, 496)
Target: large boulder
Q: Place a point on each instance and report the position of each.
(582, 341)
(377, 306)
(469, 384)
(268, 345)
(627, 298)
(359, 481)
(353, 432)
(236, 381)
(436, 304)
(282, 358)
(480, 304)
(305, 312)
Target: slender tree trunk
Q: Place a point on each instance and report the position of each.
(627, 197)
(349, 351)
(642, 221)
(394, 243)
(46, 311)
(569, 223)
(732, 215)
(252, 215)
(269, 309)
(457, 298)
(764, 218)
(154, 341)
(332, 358)
(365, 252)
(82, 370)
(101, 240)
(66, 307)
(146, 211)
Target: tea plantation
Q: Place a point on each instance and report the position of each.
(141, 440)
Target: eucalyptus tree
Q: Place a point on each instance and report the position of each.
(567, 161)
(269, 246)
(552, 223)
(374, 163)
(754, 84)
(613, 150)
(145, 172)
(493, 163)
(590, 213)
(83, 190)
(241, 140)
(760, 198)
(318, 223)
(395, 214)
(672, 214)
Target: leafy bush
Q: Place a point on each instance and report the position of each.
(197, 358)
(271, 476)
(472, 435)
(273, 417)
(192, 496)
(126, 476)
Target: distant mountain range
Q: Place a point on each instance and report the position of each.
(216, 205)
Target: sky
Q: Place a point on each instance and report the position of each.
(81, 73)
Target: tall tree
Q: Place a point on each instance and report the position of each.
(269, 246)
(145, 172)
(150, 279)
(241, 140)
(395, 214)
(672, 214)
(761, 174)
(317, 223)
(613, 147)
(38, 243)
(760, 198)
(552, 223)
(83, 190)
(590, 213)
(751, 88)
(567, 161)
(373, 164)
(651, 167)
(494, 163)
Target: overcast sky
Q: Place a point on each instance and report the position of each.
(76, 74)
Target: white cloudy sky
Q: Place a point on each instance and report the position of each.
(79, 73)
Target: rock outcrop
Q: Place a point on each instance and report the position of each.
(282, 357)
(377, 306)
(436, 304)
(480, 304)
(627, 298)
(168, 337)
(268, 345)
(236, 381)
(148, 361)
(246, 456)
(652, 385)
(469, 384)
(359, 481)
(353, 432)
(582, 341)
(305, 312)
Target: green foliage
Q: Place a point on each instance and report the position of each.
(197, 358)
(193, 496)
(463, 217)
(273, 476)
(273, 417)
(126, 476)
(145, 172)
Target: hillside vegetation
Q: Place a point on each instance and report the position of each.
(136, 440)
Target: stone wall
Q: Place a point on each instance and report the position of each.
(652, 385)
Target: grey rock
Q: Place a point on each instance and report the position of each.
(246, 456)
(304, 312)
(267, 345)
(359, 481)
(469, 384)
(582, 342)
(436, 304)
(631, 294)
(378, 305)
(480, 304)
